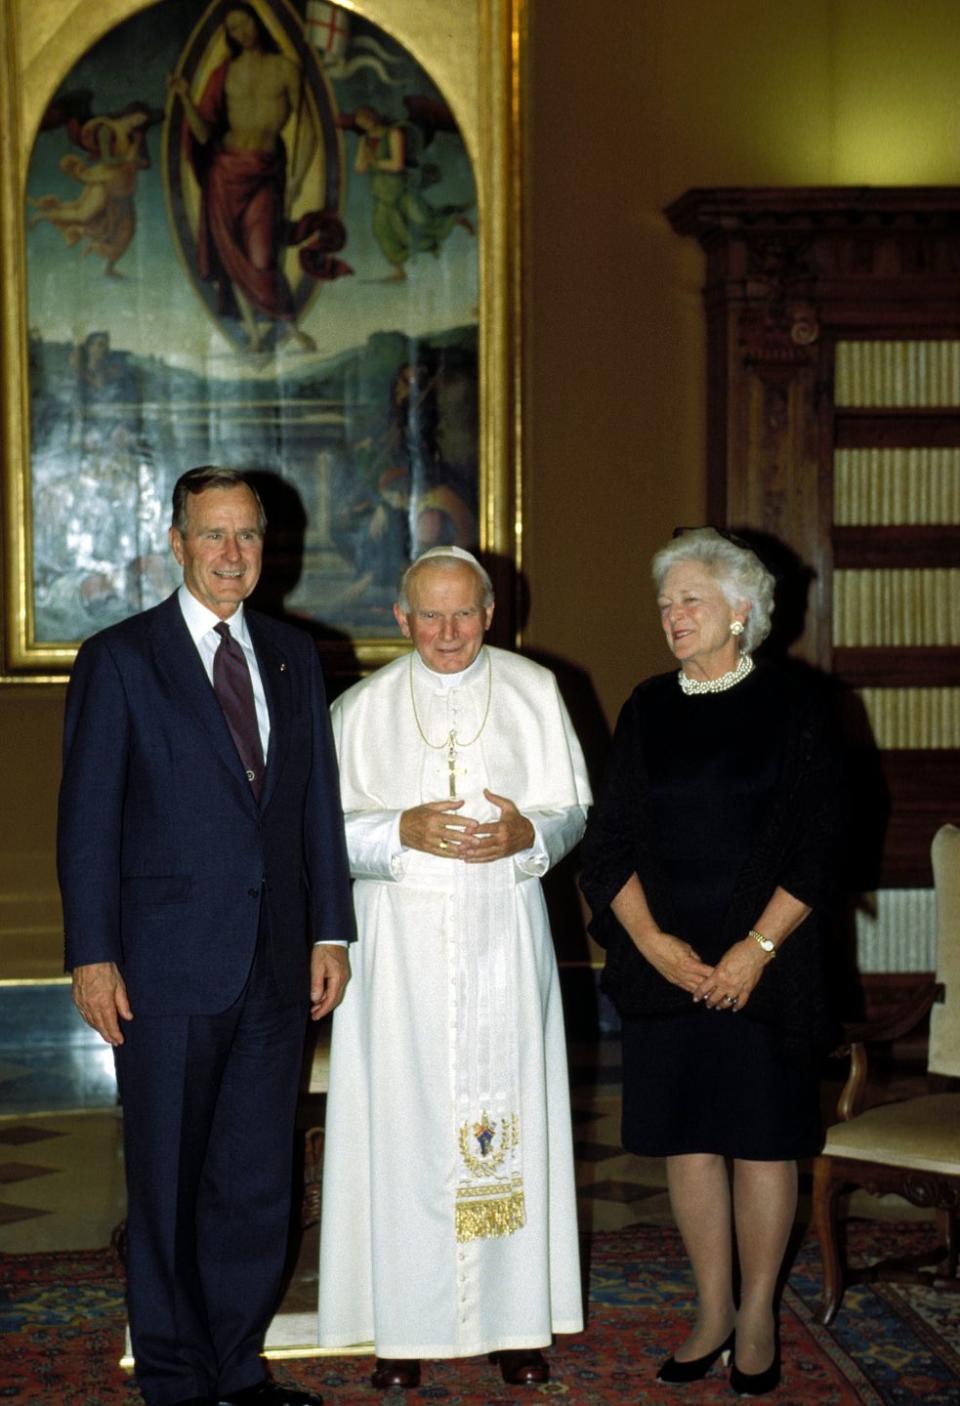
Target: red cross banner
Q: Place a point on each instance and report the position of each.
(328, 29)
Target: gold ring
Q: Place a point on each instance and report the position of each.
(443, 844)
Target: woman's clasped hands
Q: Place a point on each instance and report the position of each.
(724, 987)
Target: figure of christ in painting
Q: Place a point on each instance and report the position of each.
(103, 213)
(404, 221)
(233, 138)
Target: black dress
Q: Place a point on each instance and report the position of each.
(714, 800)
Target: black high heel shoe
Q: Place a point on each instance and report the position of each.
(757, 1383)
(674, 1372)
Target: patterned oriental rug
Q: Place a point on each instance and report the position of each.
(61, 1334)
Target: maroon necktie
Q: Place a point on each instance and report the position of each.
(234, 690)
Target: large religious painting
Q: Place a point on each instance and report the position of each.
(253, 235)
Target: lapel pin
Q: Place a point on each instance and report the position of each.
(283, 668)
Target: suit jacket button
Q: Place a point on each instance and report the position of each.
(253, 893)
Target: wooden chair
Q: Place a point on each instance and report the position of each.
(911, 1147)
(314, 1086)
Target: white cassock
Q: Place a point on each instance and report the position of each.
(449, 1215)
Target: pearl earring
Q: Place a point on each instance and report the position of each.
(736, 627)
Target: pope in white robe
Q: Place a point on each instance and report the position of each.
(449, 1215)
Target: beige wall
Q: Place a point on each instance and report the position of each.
(30, 929)
(631, 102)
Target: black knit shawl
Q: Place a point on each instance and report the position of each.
(797, 847)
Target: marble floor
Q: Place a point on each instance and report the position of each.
(61, 1165)
(61, 1173)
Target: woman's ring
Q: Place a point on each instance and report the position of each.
(443, 844)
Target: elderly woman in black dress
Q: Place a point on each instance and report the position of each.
(707, 862)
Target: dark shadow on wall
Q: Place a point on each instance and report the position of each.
(869, 800)
(564, 904)
(282, 568)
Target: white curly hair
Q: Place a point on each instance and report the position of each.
(738, 571)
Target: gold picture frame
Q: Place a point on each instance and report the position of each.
(473, 51)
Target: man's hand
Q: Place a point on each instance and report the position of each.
(428, 828)
(497, 839)
(329, 974)
(101, 998)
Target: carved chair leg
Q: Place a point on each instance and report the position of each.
(312, 1177)
(947, 1226)
(826, 1191)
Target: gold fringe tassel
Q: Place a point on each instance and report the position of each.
(486, 1219)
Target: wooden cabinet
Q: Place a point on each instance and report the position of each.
(833, 387)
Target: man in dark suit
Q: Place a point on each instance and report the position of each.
(200, 853)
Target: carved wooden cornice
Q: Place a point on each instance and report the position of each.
(798, 211)
(784, 261)
(842, 242)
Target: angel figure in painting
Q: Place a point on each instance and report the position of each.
(103, 213)
(233, 139)
(404, 221)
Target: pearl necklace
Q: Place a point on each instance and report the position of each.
(452, 741)
(720, 685)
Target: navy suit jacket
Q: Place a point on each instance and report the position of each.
(163, 852)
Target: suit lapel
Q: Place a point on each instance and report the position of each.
(179, 662)
(275, 677)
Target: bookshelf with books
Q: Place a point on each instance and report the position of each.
(833, 423)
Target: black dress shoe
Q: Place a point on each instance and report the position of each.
(673, 1371)
(271, 1393)
(524, 1366)
(396, 1371)
(757, 1383)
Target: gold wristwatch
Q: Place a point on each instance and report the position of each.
(768, 946)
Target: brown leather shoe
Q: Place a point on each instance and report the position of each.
(523, 1366)
(396, 1371)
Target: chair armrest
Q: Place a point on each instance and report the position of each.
(878, 1032)
(898, 1023)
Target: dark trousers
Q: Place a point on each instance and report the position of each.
(208, 1104)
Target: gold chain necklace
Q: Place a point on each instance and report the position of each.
(451, 741)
